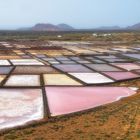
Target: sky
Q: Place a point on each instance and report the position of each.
(77, 13)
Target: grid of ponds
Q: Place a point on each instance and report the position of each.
(37, 83)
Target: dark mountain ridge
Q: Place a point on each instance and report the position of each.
(66, 27)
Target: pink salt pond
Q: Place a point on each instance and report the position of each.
(127, 66)
(122, 75)
(65, 100)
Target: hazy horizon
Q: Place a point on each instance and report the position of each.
(79, 14)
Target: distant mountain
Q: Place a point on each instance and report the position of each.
(134, 27)
(49, 27)
(109, 28)
(45, 27)
(65, 27)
